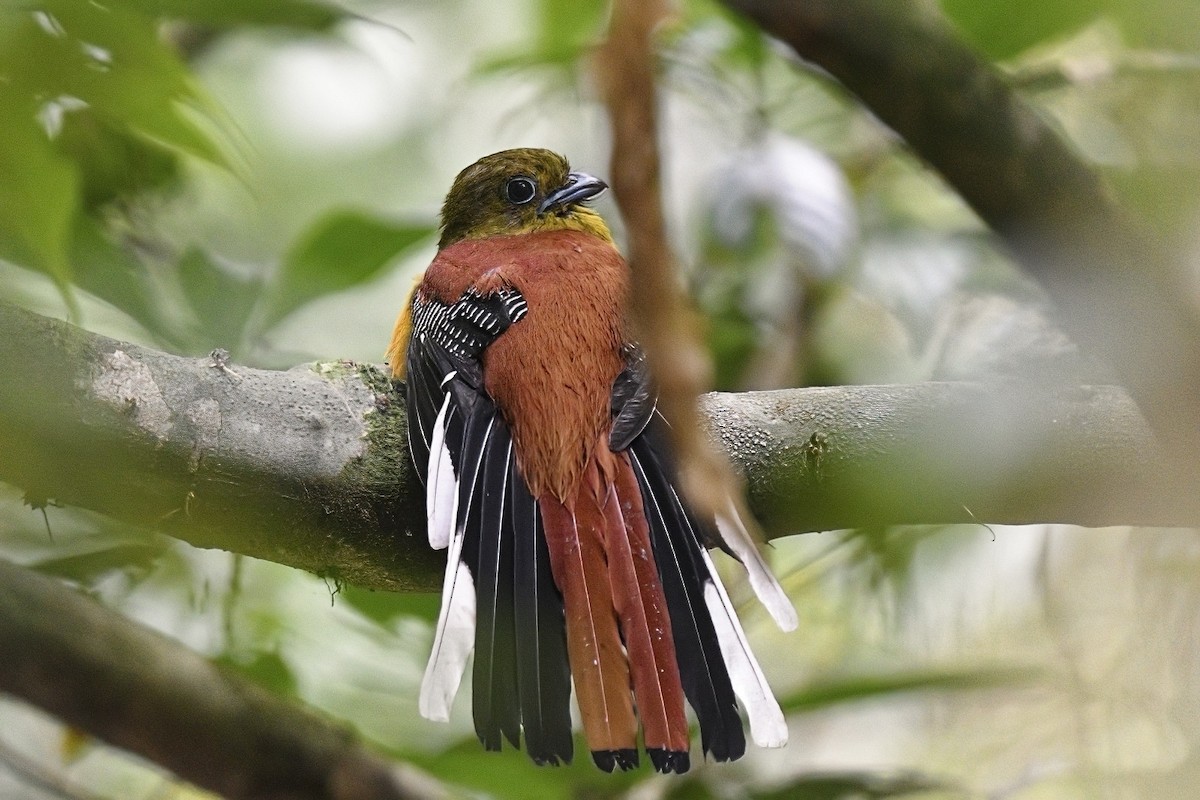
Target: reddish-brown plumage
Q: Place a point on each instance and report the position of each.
(642, 607)
(576, 538)
(550, 375)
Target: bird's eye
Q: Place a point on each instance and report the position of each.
(519, 190)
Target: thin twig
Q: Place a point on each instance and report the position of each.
(661, 319)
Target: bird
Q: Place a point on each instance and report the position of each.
(573, 559)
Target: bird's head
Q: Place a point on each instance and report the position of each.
(520, 191)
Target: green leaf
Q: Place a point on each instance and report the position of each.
(222, 301)
(735, 41)
(689, 787)
(93, 107)
(342, 250)
(575, 23)
(298, 14)
(115, 164)
(109, 61)
(145, 86)
(1003, 30)
(853, 786)
(822, 694)
(564, 32)
(115, 275)
(39, 196)
(1158, 23)
(513, 776)
(383, 607)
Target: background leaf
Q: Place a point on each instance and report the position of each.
(855, 786)
(300, 14)
(342, 250)
(39, 194)
(223, 301)
(821, 693)
(1004, 29)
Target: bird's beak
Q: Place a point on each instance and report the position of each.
(579, 187)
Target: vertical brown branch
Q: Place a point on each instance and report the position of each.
(660, 316)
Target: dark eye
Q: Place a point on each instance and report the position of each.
(519, 190)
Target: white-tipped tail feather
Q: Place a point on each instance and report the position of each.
(762, 581)
(441, 487)
(768, 727)
(454, 639)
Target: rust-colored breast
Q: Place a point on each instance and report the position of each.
(551, 373)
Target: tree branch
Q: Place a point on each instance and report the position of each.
(1119, 292)
(309, 468)
(305, 467)
(142, 692)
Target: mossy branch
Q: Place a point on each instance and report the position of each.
(308, 467)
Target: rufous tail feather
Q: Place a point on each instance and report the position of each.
(575, 537)
(645, 622)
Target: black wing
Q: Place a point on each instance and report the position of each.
(522, 682)
(633, 400)
(443, 355)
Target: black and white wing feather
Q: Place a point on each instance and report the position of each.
(498, 595)
(446, 343)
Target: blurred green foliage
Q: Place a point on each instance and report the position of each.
(1004, 30)
(92, 123)
(263, 176)
(99, 136)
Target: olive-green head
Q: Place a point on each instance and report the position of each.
(520, 191)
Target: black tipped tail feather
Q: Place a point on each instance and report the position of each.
(702, 669)
(668, 761)
(521, 677)
(543, 672)
(608, 760)
(488, 552)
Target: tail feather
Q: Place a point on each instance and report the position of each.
(543, 674)
(575, 539)
(645, 623)
(488, 549)
(705, 678)
(441, 486)
(423, 385)
(455, 633)
(768, 727)
(499, 598)
(762, 580)
(454, 638)
(611, 590)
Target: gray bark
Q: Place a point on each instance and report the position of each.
(309, 467)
